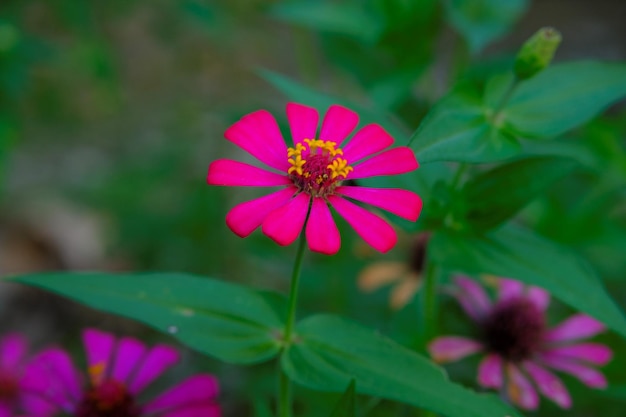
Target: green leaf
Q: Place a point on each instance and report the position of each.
(228, 321)
(457, 129)
(483, 21)
(332, 351)
(496, 195)
(345, 19)
(564, 96)
(306, 95)
(520, 254)
(346, 406)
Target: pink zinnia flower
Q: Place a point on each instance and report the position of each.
(18, 381)
(118, 372)
(312, 172)
(519, 347)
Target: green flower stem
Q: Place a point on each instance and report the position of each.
(284, 386)
(505, 98)
(430, 301)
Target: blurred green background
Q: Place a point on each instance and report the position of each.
(111, 111)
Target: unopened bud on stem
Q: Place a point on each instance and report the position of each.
(536, 53)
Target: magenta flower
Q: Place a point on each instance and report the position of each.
(312, 173)
(119, 370)
(519, 347)
(18, 381)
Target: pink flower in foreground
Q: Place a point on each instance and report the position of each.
(312, 172)
(118, 372)
(18, 381)
(519, 347)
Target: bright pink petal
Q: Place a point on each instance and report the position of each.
(520, 390)
(593, 353)
(452, 348)
(392, 162)
(129, 353)
(490, 372)
(5, 409)
(37, 406)
(472, 298)
(338, 123)
(193, 391)
(202, 410)
(587, 375)
(157, 361)
(244, 218)
(367, 141)
(234, 173)
(99, 348)
(321, 230)
(539, 297)
(12, 350)
(549, 384)
(579, 326)
(509, 289)
(373, 230)
(402, 203)
(303, 121)
(285, 223)
(258, 134)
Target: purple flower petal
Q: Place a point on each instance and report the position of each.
(539, 297)
(509, 289)
(593, 353)
(12, 351)
(157, 361)
(197, 390)
(338, 123)
(128, 355)
(321, 231)
(587, 375)
(205, 410)
(490, 372)
(284, 224)
(452, 348)
(549, 384)
(579, 326)
(520, 390)
(472, 298)
(303, 121)
(367, 141)
(99, 348)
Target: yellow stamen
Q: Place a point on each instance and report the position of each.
(339, 167)
(296, 164)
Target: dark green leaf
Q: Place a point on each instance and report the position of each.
(332, 351)
(457, 129)
(520, 254)
(496, 195)
(564, 96)
(346, 405)
(482, 21)
(228, 321)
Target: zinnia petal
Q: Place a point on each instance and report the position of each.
(12, 351)
(258, 134)
(303, 121)
(157, 361)
(338, 123)
(367, 141)
(402, 203)
(452, 348)
(579, 326)
(285, 223)
(54, 365)
(195, 390)
(375, 231)
(472, 298)
(244, 218)
(99, 349)
(520, 390)
(321, 231)
(234, 173)
(549, 384)
(593, 353)
(128, 355)
(490, 371)
(392, 162)
(587, 375)
(200, 410)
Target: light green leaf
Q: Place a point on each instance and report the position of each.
(496, 195)
(346, 406)
(339, 18)
(483, 21)
(331, 351)
(228, 321)
(520, 254)
(564, 96)
(457, 129)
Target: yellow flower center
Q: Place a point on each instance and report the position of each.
(317, 166)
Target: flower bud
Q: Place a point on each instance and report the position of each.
(536, 53)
